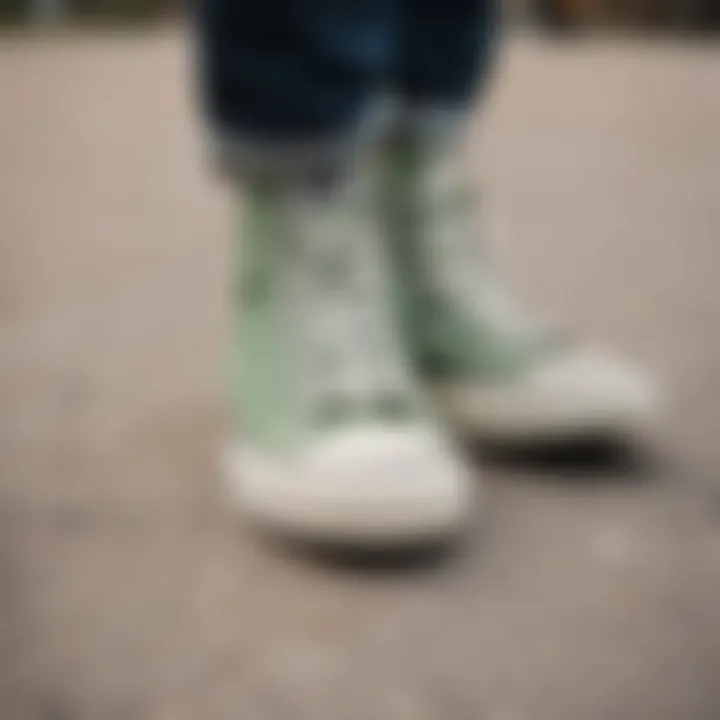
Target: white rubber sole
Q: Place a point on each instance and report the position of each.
(584, 395)
(366, 488)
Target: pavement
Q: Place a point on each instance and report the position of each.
(587, 590)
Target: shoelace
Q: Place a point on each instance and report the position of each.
(349, 353)
(469, 271)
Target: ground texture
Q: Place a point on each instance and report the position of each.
(128, 591)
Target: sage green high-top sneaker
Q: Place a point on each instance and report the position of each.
(333, 439)
(495, 372)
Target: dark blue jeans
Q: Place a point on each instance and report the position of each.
(291, 81)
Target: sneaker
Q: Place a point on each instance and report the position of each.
(334, 441)
(494, 372)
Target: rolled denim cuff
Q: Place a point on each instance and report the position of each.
(432, 125)
(242, 158)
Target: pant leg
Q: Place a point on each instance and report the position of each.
(289, 84)
(446, 51)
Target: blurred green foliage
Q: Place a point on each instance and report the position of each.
(11, 9)
(19, 10)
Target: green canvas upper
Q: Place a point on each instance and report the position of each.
(459, 320)
(316, 345)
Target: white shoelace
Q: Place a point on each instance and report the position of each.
(349, 352)
(467, 268)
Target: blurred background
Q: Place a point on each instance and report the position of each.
(551, 14)
(590, 590)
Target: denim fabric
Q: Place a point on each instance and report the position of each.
(306, 70)
(443, 51)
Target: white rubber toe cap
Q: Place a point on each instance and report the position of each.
(365, 486)
(583, 392)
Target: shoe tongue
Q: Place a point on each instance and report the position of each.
(343, 317)
(476, 266)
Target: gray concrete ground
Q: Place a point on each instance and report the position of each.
(127, 590)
